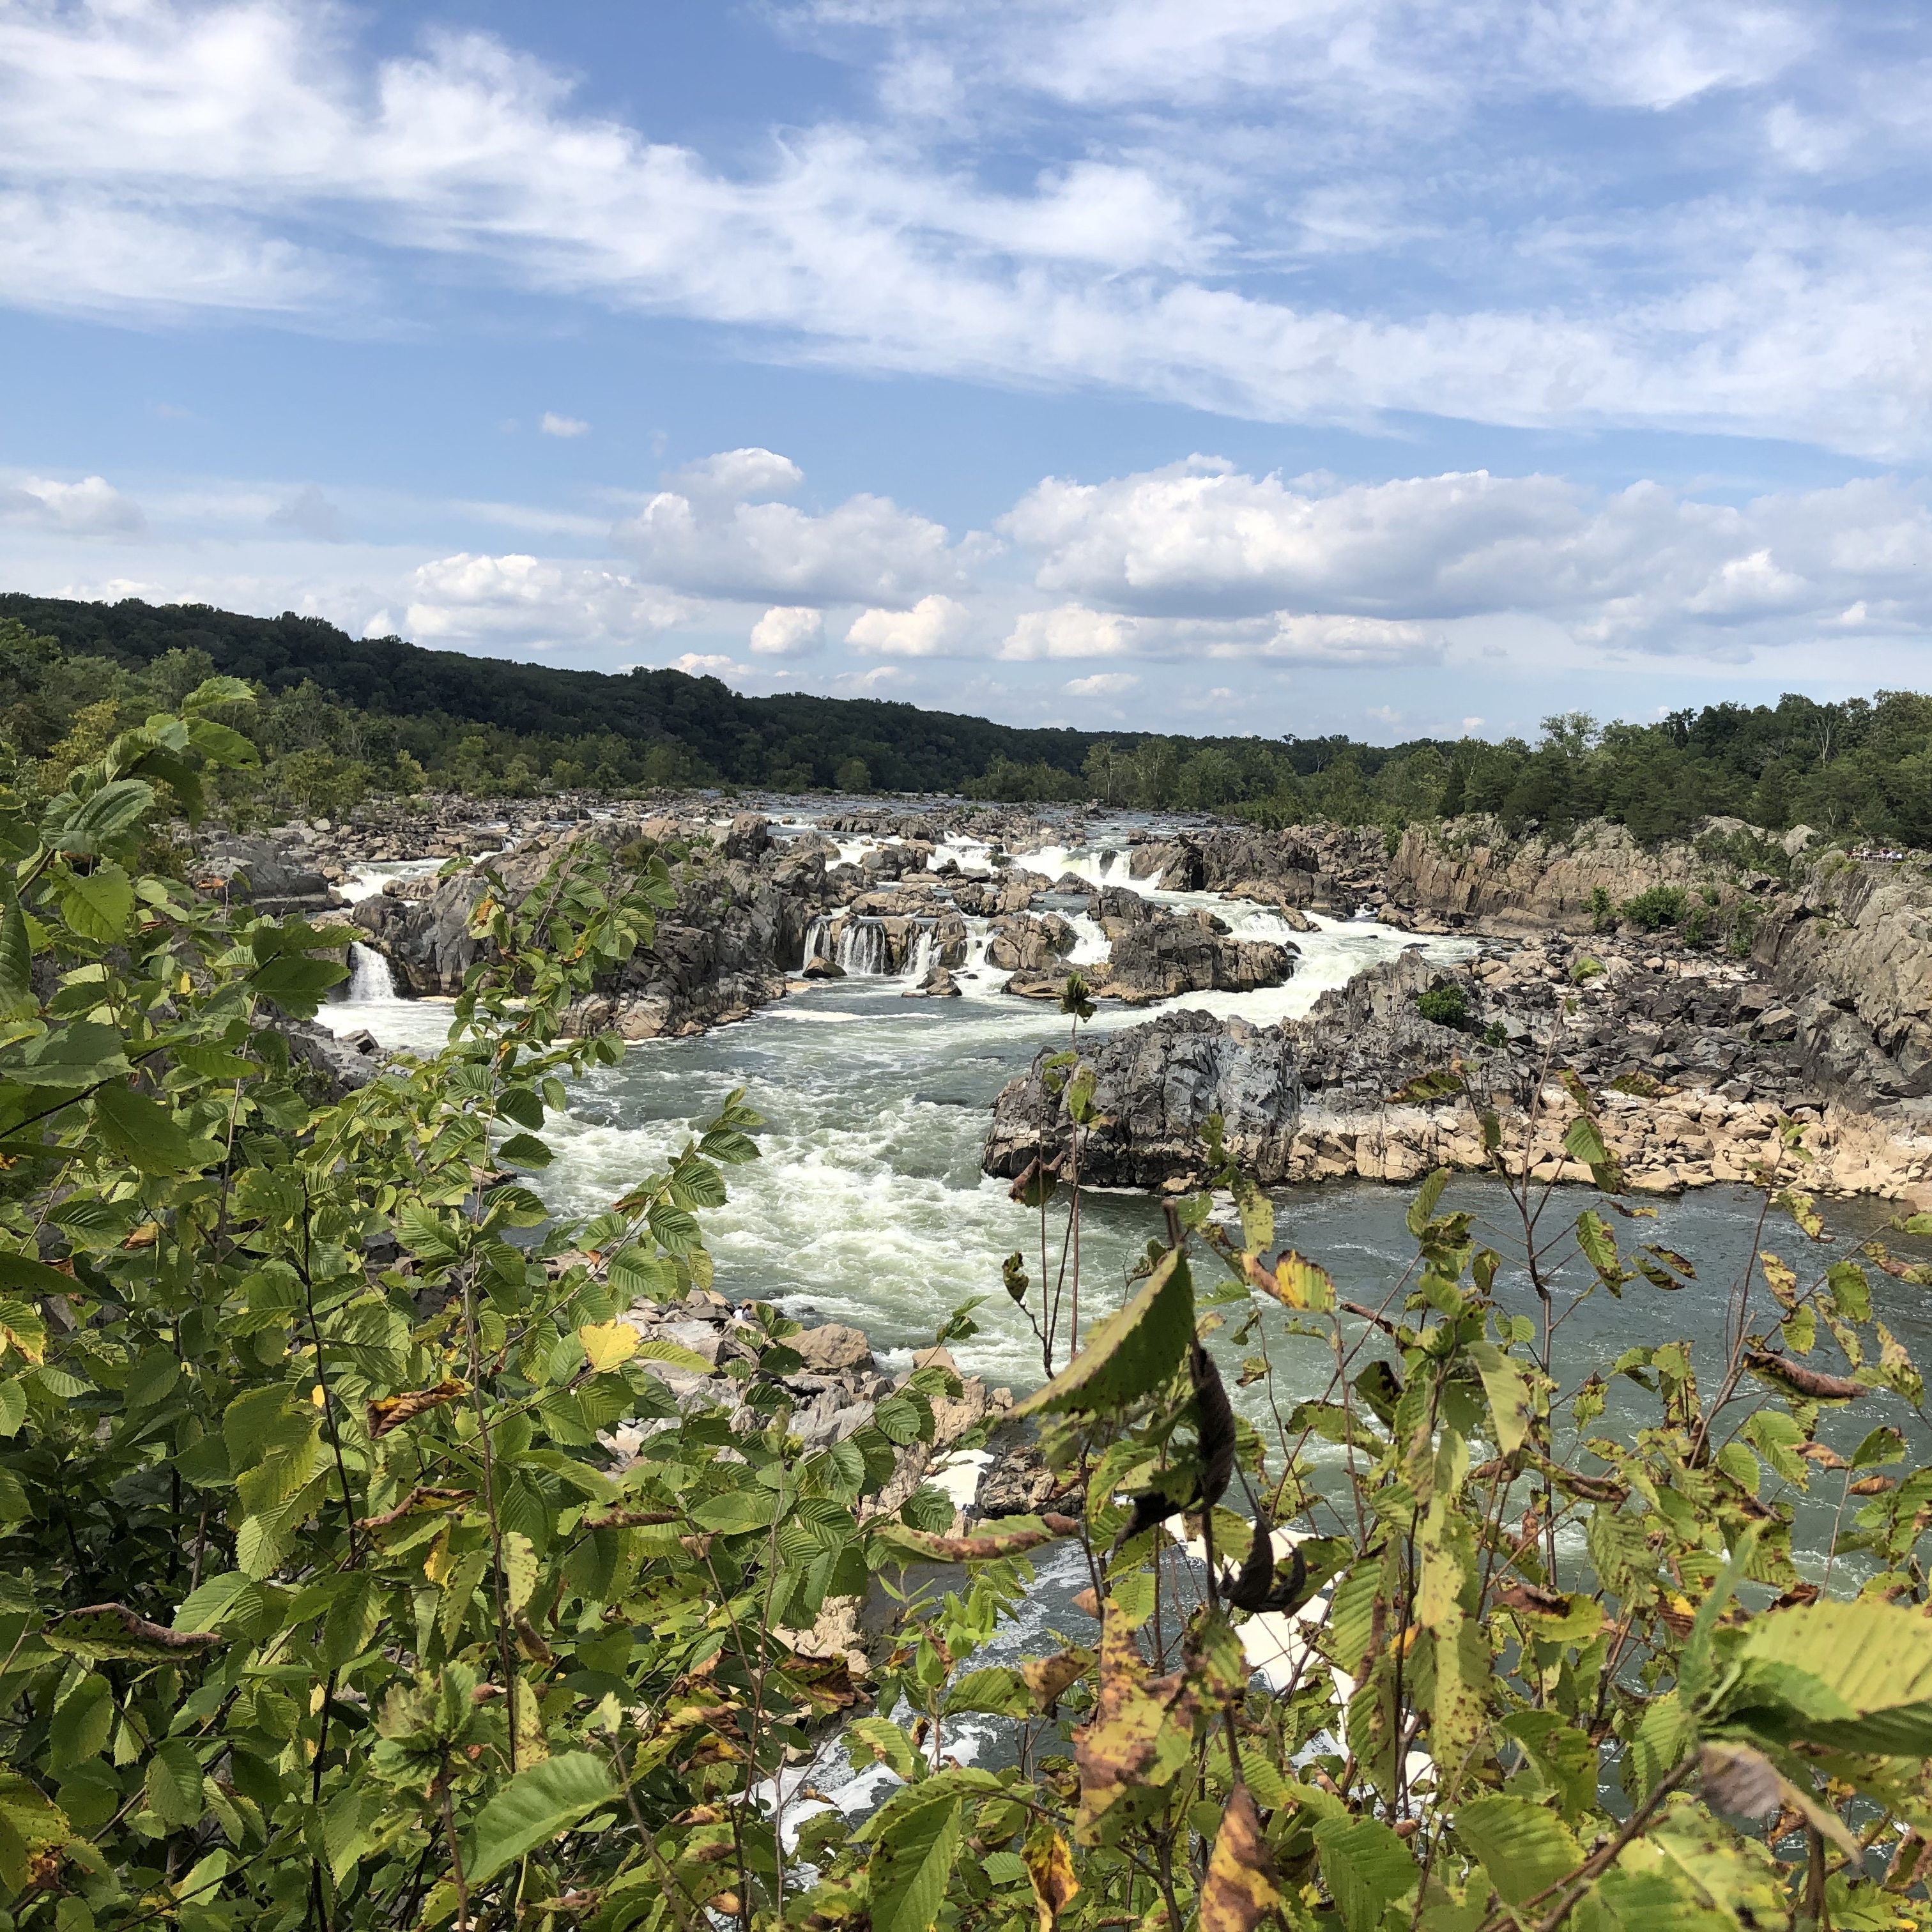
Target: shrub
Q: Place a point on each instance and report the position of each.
(1603, 912)
(1659, 907)
(1447, 1005)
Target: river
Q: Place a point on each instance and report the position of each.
(868, 1206)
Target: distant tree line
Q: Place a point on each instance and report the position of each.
(340, 717)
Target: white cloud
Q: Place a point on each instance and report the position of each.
(310, 514)
(788, 631)
(711, 664)
(936, 626)
(1070, 631)
(1102, 684)
(864, 683)
(1535, 262)
(1234, 565)
(91, 508)
(551, 423)
(533, 602)
(704, 537)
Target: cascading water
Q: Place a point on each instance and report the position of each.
(817, 940)
(862, 951)
(371, 983)
(924, 950)
(1096, 865)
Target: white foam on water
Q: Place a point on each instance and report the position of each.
(1097, 865)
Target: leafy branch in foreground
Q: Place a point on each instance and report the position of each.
(331, 1602)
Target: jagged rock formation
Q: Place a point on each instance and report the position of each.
(1720, 1070)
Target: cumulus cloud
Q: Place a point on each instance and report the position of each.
(91, 508)
(1102, 684)
(1236, 564)
(551, 423)
(252, 155)
(936, 626)
(310, 514)
(788, 631)
(530, 601)
(704, 535)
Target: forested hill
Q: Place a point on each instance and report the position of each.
(793, 739)
(340, 717)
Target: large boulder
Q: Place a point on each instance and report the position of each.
(1156, 1084)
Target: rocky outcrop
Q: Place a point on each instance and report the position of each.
(1470, 868)
(719, 952)
(1712, 1066)
(1156, 1085)
(1850, 953)
(1333, 869)
(276, 875)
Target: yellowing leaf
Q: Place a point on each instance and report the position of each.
(608, 1343)
(1241, 1890)
(1049, 1865)
(520, 1570)
(1297, 1283)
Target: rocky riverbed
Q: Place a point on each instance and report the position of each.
(984, 1462)
(1808, 999)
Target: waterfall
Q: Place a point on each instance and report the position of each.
(925, 950)
(861, 949)
(817, 937)
(370, 982)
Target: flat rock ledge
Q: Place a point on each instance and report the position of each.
(982, 1458)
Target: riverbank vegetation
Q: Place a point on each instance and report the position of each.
(328, 1604)
(342, 717)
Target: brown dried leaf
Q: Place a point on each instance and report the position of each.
(985, 1547)
(1811, 1382)
(391, 1411)
(1241, 1889)
(102, 1630)
(421, 1498)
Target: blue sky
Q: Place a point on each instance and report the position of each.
(1207, 364)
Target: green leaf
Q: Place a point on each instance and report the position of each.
(520, 1105)
(1130, 1353)
(115, 808)
(1523, 1846)
(1365, 1868)
(1852, 1677)
(30, 1822)
(143, 1133)
(533, 1807)
(869, 1740)
(1582, 1141)
(913, 1863)
(525, 1150)
(174, 1783)
(98, 904)
(1511, 1408)
(296, 983)
(32, 1277)
(1422, 1209)
(16, 965)
(736, 1511)
(78, 1055)
(221, 744)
